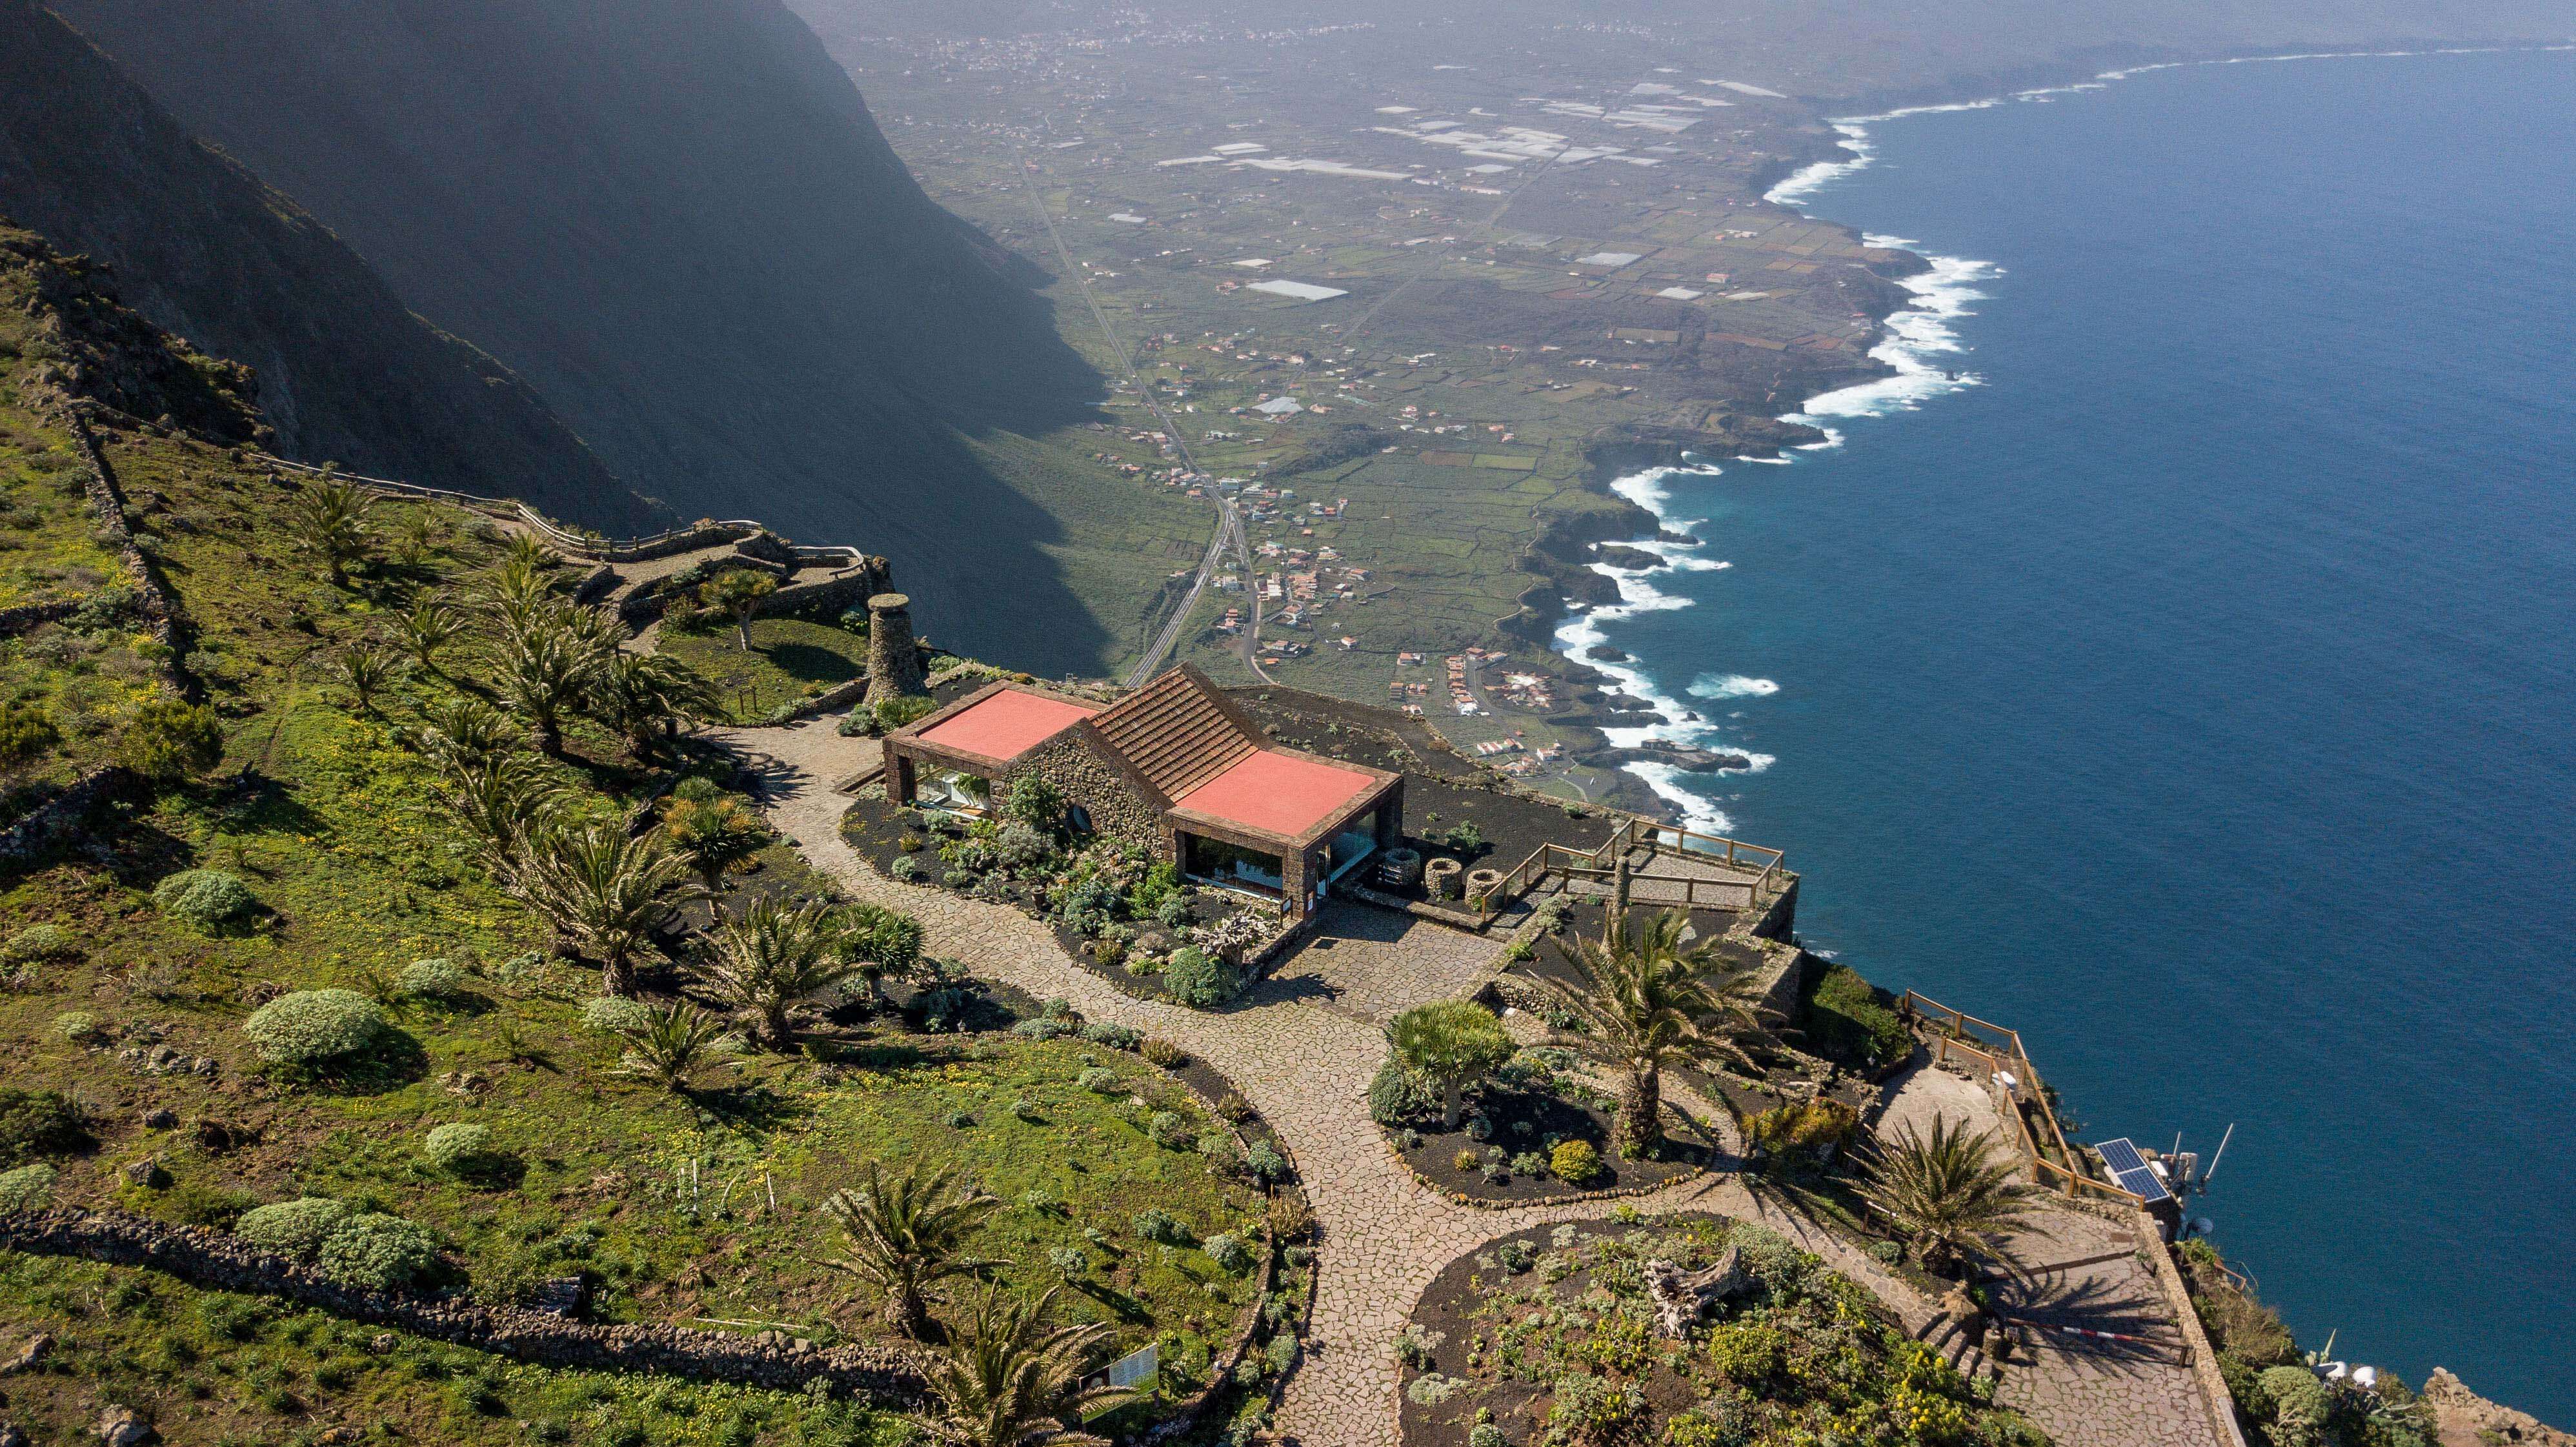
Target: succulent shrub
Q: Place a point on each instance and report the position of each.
(1044, 1028)
(1263, 1163)
(457, 1146)
(80, 1027)
(378, 1252)
(292, 1228)
(1161, 1227)
(1398, 1095)
(1160, 1052)
(1116, 1037)
(431, 979)
(616, 1015)
(1218, 1148)
(1099, 1080)
(209, 899)
(1229, 1253)
(1069, 1261)
(314, 1027)
(1199, 979)
(1515, 1256)
(1168, 1130)
(1575, 1162)
(906, 868)
(27, 1187)
(40, 943)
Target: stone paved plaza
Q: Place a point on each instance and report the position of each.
(1302, 1046)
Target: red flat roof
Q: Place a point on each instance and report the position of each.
(1277, 793)
(1008, 724)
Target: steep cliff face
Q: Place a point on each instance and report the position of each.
(200, 247)
(677, 220)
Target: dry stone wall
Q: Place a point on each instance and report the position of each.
(213, 1260)
(1072, 762)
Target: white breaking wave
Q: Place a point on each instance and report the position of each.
(1731, 685)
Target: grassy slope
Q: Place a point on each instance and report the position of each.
(329, 821)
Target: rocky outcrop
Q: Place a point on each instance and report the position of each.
(2466, 1418)
(211, 1259)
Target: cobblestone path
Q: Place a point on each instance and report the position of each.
(1301, 1047)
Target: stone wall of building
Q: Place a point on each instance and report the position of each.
(221, 1262)
(1073, 763)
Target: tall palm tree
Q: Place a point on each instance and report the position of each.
(518, 589)
(544, 668)
(642, 696)
(907, 1233)
(1011, 1378)
(670, 1046)
(330, 516)
(1951, 1194)
(427, 628)
(606, 890)
(1648, 996)
(774, 959)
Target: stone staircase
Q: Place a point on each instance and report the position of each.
(1947, 1336)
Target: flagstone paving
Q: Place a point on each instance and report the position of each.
(1301, 1046)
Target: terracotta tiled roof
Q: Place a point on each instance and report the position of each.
(1176, 733)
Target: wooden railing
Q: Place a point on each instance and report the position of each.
(1631, 831)
(1955, 1034)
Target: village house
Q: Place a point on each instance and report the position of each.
(1174, 766)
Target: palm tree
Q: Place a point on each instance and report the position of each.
(417, 534)
(880, 942)
(1951, 1194)
(1649, 997)
(545, 667)
(604, 889)
(1010, 1378)
(643, 695)
(330, 516)
(499, 798)
(738, 592)
(714, 830)
(907, 1233)
(774, 959)
(462, 729)
(672, 1045)
(368, 668)
(518, 590)
(430, 625)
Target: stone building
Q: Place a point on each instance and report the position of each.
(1174, 766)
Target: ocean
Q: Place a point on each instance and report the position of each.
(2177, 660)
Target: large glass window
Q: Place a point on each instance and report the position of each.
(1218, 862)
(954, 790)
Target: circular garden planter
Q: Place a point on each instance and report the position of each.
(1400, 868)
(1483, 884)
(1440, 878)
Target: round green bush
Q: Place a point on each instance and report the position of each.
(1168, 1130)
(432, 979)
(80, 1027)
(40, 942)
(2298, 1398)
(1229, 1253)
(1099, 1080)
(616, 1015)
(378, 1252)
(1158, 1225)
(1263, 1163)
(310, 1027)
(1198, 979)
(294, 1228)
(457, 1145)
(1397, 1095)
(1575, 1162)
(210, 899)
(27, 1187)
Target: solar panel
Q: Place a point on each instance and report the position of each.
(2129, 1170)
(1136, 1368)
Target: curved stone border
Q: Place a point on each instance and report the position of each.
(1614, 1193)
(211, 1259)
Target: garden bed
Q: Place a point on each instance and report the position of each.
(1526, 1119)
(1132, 916)
(1550, 1334)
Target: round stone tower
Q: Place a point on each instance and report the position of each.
(894, 663)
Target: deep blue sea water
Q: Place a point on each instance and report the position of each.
(2194, 686)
